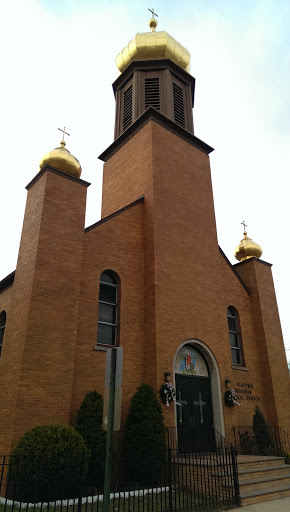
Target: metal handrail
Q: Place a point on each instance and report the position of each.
(273, 441)
(221, 454)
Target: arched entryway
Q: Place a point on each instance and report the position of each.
(198, 396)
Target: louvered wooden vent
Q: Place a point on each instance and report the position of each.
(178, 105)
(152, 94)
(127, 113)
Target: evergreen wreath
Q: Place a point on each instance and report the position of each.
(230, 398)
(167, 393)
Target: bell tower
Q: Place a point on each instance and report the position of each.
(154, 73)
(155, 154)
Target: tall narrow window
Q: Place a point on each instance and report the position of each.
(235, 338)
(152, 94)
(108, 309)
(127, 108)
(178, 104)
(2, 328)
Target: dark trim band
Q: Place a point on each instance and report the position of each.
(255, 259)
(152, 114)
(118, 212)
(234, 271)
(56, 171)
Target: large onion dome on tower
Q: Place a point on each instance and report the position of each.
(154, 74)
(247, 249)
(62, 159)
(153, 46)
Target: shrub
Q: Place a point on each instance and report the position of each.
(247, 443)
(145, 446)
(49, 462)
(262, 434)
(89, 425)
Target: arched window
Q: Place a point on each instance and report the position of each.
(235, 338)
(108, 309)
(2, 328)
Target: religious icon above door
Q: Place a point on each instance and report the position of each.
(190, 362)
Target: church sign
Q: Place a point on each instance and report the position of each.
(190, 362)
(245, 392)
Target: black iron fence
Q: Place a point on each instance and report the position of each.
(189, 478)
(268, 441)
(204, 460)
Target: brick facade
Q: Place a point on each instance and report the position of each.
(175, 285)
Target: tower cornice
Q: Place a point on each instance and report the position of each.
(153, 115)
(56, 171)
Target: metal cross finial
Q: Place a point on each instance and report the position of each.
(153, 13)
(63, 132)
(245, 225)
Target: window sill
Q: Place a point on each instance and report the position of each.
(240, 367)
(103, 348)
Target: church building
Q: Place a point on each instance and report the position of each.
(149, 276)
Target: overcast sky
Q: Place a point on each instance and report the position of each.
(58, 64)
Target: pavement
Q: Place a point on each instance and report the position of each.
(280, 505)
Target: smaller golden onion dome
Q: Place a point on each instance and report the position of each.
(153, 46)
(63, 160)
(247, 249)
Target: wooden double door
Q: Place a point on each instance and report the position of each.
(194, 414)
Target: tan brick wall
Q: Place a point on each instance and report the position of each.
(116, 245)
(188, 284)
(127, 176)
(273, 363)
(38, 361)
(174, 285)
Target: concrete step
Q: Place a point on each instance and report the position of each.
(260, 495)
(259, 472)
(247, 474)
(265, 482)
(257, 462)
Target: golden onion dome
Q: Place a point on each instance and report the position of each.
(153, 46)
(247, 249)
(63, 160)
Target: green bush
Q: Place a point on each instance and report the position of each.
(145, 444)
(49, 462)
(262, 434)
(89, 425)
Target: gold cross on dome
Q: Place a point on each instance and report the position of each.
(245, 225)
(63, 132)
(153, 13)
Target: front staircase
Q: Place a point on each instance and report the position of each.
(262, 478)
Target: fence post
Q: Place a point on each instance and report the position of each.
(80, 498)
(235, 474)
(234, 429)
(169, 473)
(2, 471)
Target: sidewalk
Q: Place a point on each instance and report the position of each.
(281, 505)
